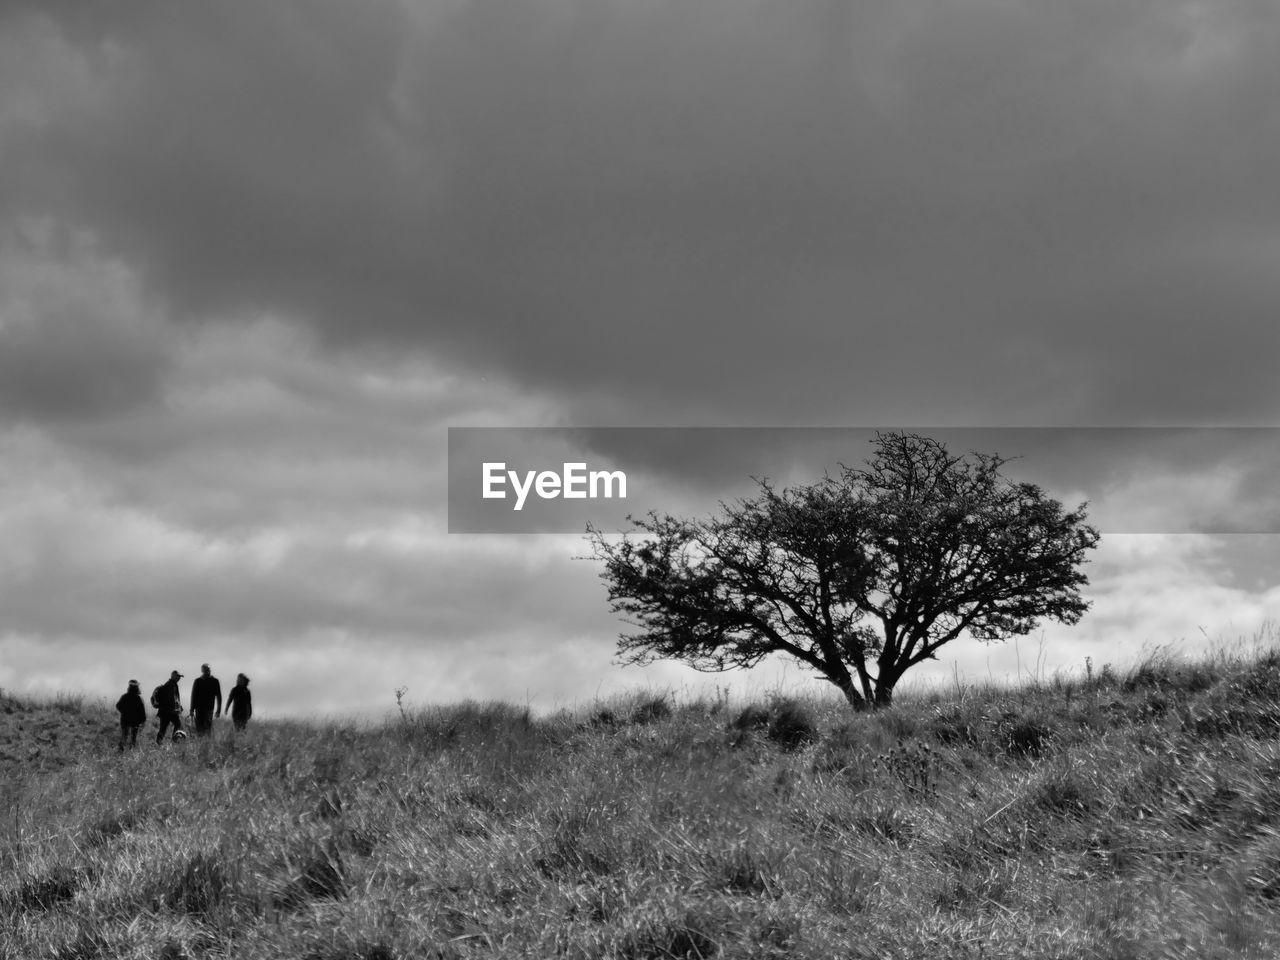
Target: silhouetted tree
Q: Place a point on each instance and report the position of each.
(859, 577)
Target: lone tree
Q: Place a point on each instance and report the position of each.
(859, 576)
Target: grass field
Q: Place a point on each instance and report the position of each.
(1119, 816)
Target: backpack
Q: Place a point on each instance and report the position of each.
(156, 694)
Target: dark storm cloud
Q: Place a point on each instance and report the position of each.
(810, 212)
(77, 337)
(69, 366)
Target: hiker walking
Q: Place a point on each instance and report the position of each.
(167, 700)
(133, 714)
(239, 702)
(206, 700)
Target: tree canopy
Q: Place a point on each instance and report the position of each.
(858, 576)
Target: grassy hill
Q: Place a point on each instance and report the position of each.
(1132, 816)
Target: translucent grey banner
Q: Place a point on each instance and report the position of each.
(1136, 479)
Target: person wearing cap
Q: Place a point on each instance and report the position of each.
(167, 700)
(206, 700)
(133, 714)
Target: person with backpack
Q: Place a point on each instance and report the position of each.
(239, 702)
(167, 700)
(206, 692)
(133, 714)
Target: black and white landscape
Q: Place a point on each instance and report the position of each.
(255, 259)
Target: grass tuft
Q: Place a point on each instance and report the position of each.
(317, 874)
(46, 890)
(650, 709)
(791, 725)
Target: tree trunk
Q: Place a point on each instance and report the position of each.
(851, 693)
(885, 683)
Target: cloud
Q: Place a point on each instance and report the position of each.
(722, 210)
(77, 335)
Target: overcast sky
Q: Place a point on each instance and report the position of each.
(255, 259)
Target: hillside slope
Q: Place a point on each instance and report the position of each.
(1119, 817)
(38, 736)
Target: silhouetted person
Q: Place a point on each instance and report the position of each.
(133, 714)
(239, 702)
(206, 700)
(167, 700)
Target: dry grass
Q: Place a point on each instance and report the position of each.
(1119, 816)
